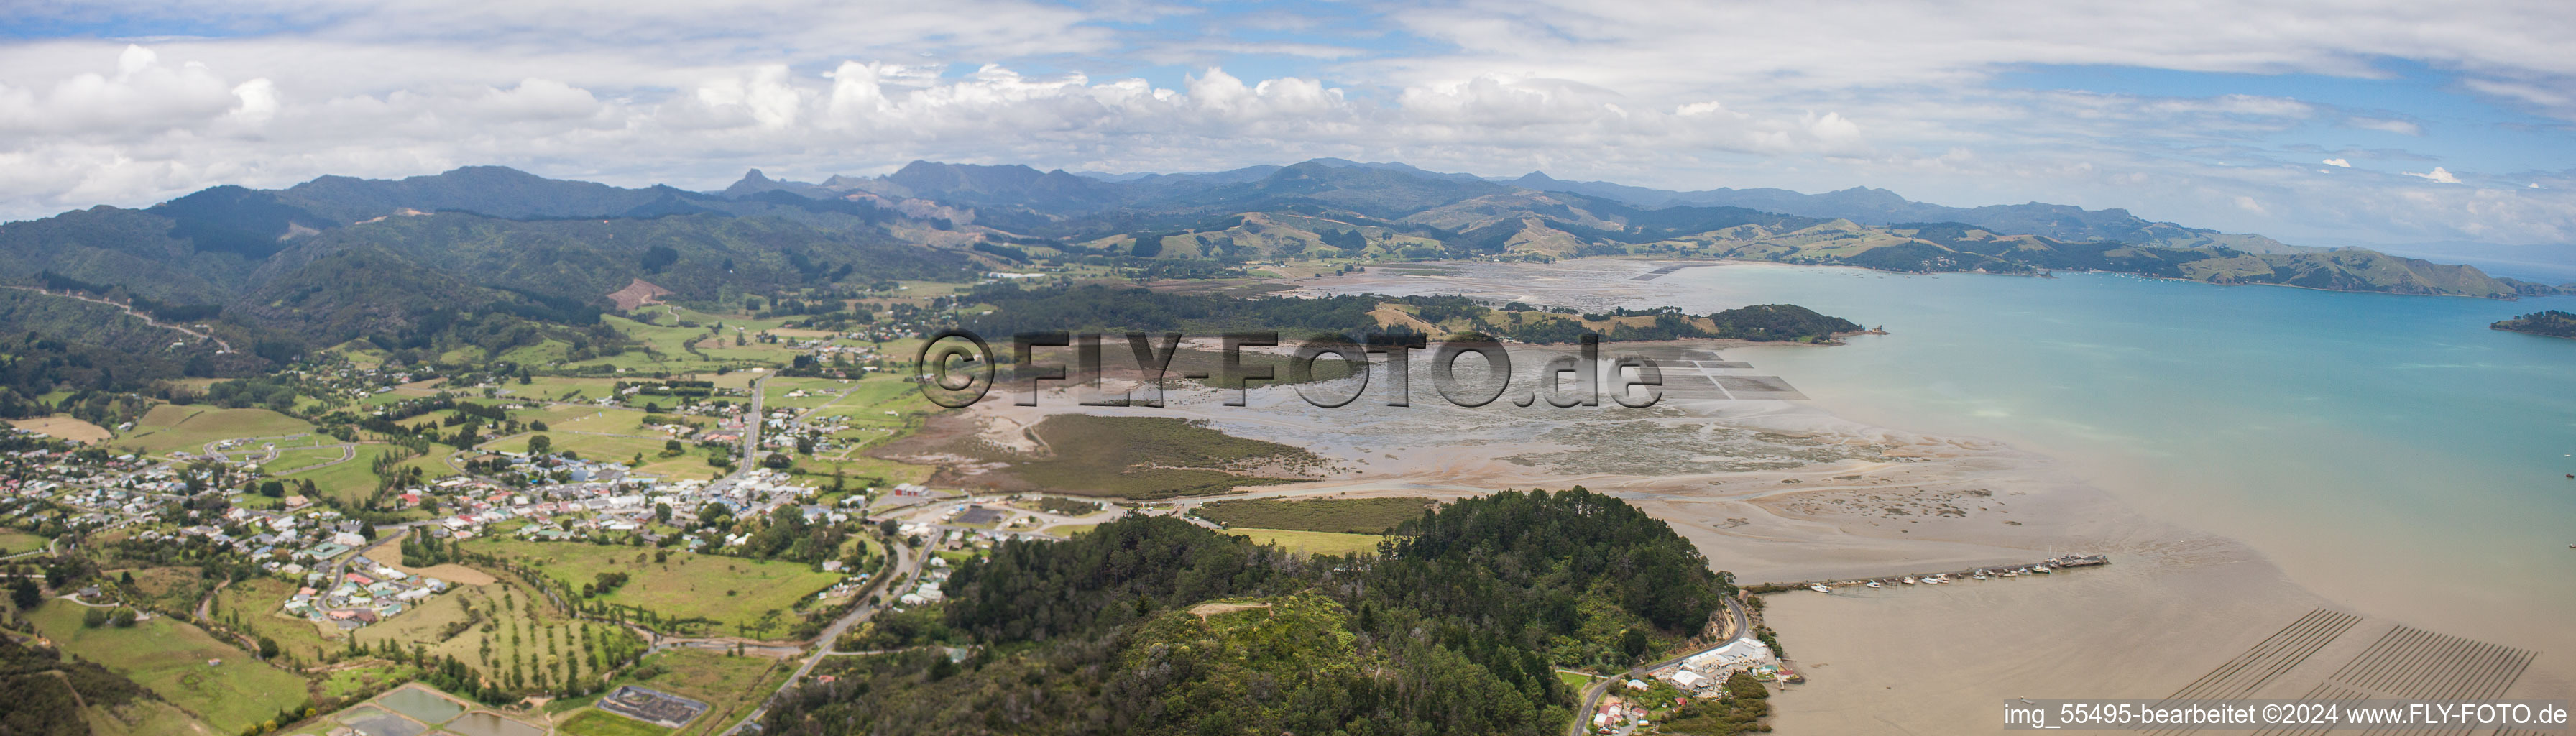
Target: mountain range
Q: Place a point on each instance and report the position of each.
(484, 254)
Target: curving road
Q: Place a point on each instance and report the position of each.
(129, 310)
(906, 565)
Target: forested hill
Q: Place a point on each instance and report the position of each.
(2551, 323)
(1102, 308)
(1152, 625)
(1335, 208)
(482, 256)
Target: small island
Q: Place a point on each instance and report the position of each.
(2551, 323)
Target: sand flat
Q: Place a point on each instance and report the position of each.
(1776, 490)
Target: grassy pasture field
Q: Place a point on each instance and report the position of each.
(188, 427)
(342, 683)
(170, 658)
(818, 391)
(729, 590)
(289, 461)
(171, 588)
(1148, 457)
(1354, 515)
(65, 427)
(1316, 543)
(596, 722)
(553, 414)
(602, 447)
(605, 421)
(141, 718)
(559, 388)
(13, 541)
(351, 481)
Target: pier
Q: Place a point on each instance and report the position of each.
(2054, 564)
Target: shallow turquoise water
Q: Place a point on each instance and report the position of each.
(2389, 451)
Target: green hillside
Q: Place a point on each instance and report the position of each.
(1150, 625)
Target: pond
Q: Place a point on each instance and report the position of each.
(485, 723)
(374, 721)
(422, 704)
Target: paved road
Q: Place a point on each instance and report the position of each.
(129, 309)
(1592, 695)
(906, 565)
(752, 421)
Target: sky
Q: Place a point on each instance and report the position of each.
(2325, 123)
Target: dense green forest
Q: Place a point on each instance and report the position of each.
(1152, 625)
(2552, 323)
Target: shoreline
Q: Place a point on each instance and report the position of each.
(1774, 489)
(2202, 582)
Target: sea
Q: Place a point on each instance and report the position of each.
(2390, 452)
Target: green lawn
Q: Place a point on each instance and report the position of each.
(170, 658)
(350, 481)
(595, 722)
(289, 461)
(13, 541)
(729, 590)
(188, 427)
(1575, 681)
(1320, 543)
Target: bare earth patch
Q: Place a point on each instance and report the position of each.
(64, 427)
(637, 293)
(1204, 610)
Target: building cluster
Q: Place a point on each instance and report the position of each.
(290, 543)
(612, 508)
(362, 592)
(1705, 673)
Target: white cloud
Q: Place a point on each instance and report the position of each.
(2438, 176)
(1877, 93)
(2399, 127)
